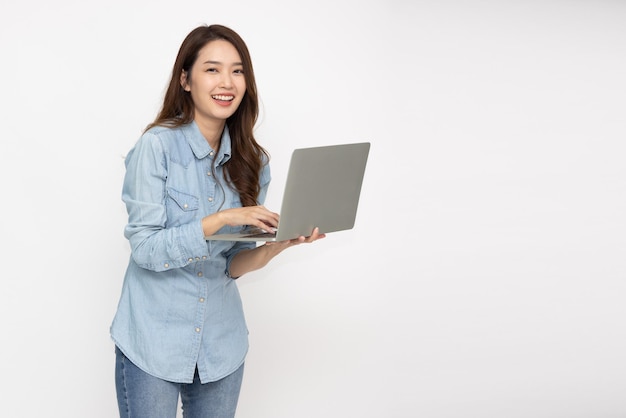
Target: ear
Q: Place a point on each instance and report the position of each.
(183, 81)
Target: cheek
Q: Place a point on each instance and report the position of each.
(242, 90)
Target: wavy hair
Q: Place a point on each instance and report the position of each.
(243, 169)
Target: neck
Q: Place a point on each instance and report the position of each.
(212, 131)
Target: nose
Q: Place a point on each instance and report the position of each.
(226, 80)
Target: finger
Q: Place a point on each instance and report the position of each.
(315, 235)
(267, 223)
(268, 217)
(262, 218)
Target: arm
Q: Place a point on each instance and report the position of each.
(249, 260)
(154, 245)
(257, 216)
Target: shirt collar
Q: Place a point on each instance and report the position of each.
(200, 146)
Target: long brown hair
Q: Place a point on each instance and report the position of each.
(243, 170)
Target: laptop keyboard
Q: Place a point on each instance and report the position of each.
(256, 232)
(262, 235)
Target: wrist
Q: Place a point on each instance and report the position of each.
(213, 223)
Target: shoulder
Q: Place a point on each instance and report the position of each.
(161, 138)
(163, 134)
(155, 143)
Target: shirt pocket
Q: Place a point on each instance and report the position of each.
(182, 207)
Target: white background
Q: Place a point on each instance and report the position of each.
(485, 276)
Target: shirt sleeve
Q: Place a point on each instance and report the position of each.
(153, 246)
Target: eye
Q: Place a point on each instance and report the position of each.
(211, 70)
(240, 71)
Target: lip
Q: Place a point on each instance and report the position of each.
(216, 98)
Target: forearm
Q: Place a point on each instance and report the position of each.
(249, 260)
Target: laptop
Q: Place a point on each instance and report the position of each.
(322, 190)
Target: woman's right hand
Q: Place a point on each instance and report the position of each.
(258, 216)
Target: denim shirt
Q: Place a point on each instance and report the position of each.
(179, 308)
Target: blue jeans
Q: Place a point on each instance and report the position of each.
(140, 395)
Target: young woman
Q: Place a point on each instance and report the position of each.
(179, 329)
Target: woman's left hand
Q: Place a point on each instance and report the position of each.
(315, 235)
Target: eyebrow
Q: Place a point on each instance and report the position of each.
(221, 63)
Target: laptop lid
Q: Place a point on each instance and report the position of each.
(322, 189)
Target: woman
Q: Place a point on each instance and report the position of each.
(179, 329)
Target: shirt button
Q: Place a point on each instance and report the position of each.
(208, 174)
(185, 206)
(197, 258)
(204, 257)
(211, 153)
(197, 329)
(190, 260)
(201, 299)
(199, 274)
(166, 265)
(210, 199)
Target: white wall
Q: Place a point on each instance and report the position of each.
(486, 274)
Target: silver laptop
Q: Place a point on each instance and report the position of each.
(322, 190)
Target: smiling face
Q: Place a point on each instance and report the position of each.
(216, 83)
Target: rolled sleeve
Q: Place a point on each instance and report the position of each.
(233, 251)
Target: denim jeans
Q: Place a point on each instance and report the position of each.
(140, 395)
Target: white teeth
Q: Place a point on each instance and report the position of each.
(223, 98)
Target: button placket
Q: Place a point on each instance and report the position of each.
(210, 182)
(201, 306)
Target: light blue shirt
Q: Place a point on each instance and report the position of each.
(178, 307)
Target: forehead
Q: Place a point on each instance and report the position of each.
(219, 51)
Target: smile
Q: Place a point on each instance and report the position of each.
(223, 98)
